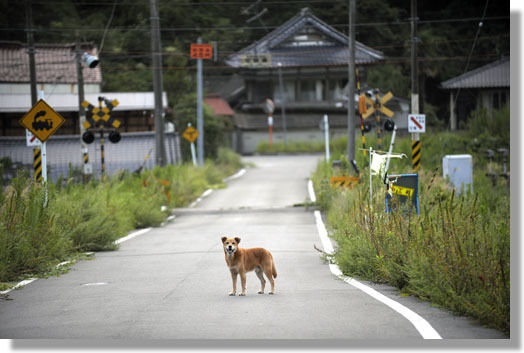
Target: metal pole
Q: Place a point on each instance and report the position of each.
(282, 102)
(392, 143)
(160, 151)
(326, 136)
(81, 97)
(351, 82)
(200, 114)
(31, 50)
(193, 155)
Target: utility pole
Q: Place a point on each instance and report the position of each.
(351, 81)
(31, 50)
(81, 98)
(415, 137)
(200, 113)
(160, 151)
(414, 71)
(282, 102)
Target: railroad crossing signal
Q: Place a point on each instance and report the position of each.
(42, 120)
(101, 117)
(190, 134)
(378, 106)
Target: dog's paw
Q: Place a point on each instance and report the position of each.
(242, 294)
(260, 292)
(271, 293)
(232, 294)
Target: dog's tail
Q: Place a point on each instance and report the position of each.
(273, 269)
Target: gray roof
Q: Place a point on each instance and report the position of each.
(304, 40)
(496, 74)
(55, 63)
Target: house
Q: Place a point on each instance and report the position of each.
(56, 76)
(308, 59)
(487, 86)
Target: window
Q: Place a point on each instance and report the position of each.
(289, 91)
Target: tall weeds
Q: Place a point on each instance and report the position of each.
(455, 253)
(90, 217)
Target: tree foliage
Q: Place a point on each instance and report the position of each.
(446, 31)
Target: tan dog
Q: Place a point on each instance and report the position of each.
(241, 261)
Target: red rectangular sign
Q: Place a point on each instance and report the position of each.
(201, 51)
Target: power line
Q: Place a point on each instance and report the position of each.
(234, 28)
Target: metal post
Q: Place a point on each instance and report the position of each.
(351, 81)
(102, 156)
(193, 155)
(160, 151)
(326, 136)
(200, 114)
(282, 102)
(392, 143)
(44, 159)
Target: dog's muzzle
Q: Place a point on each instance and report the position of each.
(230, 250)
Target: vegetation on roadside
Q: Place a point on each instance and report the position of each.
(91, 216)
(456, 252)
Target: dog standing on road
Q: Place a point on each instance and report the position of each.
(241, 261)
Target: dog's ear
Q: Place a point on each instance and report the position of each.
(237, 239)
(224, 239)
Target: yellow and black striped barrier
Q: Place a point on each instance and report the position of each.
(415, 155)
(344, 181)
(37, 164)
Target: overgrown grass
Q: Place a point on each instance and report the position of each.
(455, 253)
(90, 217)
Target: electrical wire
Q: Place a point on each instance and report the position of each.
(107, 26)
(472, 48)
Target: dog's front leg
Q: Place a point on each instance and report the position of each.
(243, 282)
(234, 278)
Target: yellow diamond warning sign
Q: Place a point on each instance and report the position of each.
(42, 120)
(190, 134)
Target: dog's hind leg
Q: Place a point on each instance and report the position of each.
(269, 275)
(260, 275)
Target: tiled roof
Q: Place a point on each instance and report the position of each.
(496, 74)
(55, 63)
(219, 106)
(280, 46)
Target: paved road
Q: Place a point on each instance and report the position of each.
(172, 282)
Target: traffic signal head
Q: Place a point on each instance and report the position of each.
(88, 137)
(114, 136)
(367, 126)
(389, 125)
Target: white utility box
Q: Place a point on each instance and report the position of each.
(459, 169)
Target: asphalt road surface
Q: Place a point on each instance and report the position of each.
(172, 282)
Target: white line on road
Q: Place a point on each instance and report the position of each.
(132, 235)
(422, 326)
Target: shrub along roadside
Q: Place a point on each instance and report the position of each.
(90, 217)
(456, 253)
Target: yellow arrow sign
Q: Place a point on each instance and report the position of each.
(42, 120)
(190, 134)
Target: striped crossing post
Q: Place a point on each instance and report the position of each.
(415, 155)
(37, 164)
(361, 109)
(102, 158)
(377, 117)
